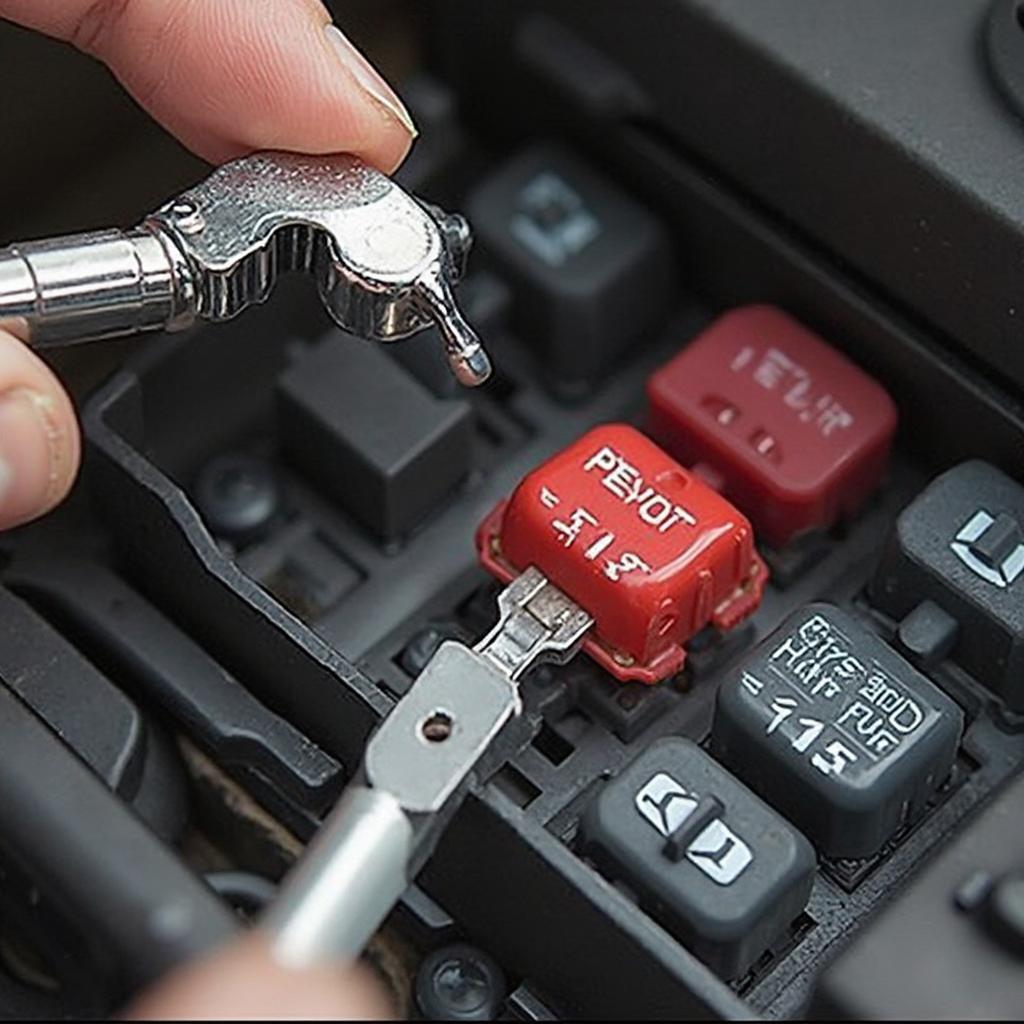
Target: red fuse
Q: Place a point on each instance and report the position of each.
(650, 551)
(798, 435)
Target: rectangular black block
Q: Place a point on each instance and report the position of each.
(949, 945)
(960, 544)
(591, 268)
(720, 867)
(836, 730)
(371, 435)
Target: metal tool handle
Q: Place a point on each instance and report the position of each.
(96, 285)
(379, 835)
(350, 877)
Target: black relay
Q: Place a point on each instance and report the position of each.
(960, 545)
(372, 436)
(835, 729)
(592, 268)
(702, 851)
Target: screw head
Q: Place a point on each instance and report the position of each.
(239, 496)
(460, 982)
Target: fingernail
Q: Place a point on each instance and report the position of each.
(368, 78)
(30, 469)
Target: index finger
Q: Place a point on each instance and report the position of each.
(232, 76)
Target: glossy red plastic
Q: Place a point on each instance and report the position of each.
(797, 436)
(648, 549)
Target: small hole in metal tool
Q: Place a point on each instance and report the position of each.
(437, 727)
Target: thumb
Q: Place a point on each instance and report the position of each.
(244, 982)
(231, 76)
(39, 446)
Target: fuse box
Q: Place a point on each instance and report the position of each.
(772, 784)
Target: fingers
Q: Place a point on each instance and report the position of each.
(231, 76)
(39, 444)
(244, 982)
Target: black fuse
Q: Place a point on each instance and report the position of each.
(835, 729)
(708, 858)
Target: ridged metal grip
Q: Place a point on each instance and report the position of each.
(384, 263)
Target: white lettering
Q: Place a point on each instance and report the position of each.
(628, 562)
(574, 527)
(598, 546)
(625, 481)
(548, 498)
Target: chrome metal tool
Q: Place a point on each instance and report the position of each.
(415, 771)
(383, 261)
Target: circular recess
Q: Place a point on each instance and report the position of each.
(459, 982)
(1005, 46)
(437, 727)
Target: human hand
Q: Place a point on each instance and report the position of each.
(226, 77)
(244, 982)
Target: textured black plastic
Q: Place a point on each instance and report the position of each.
(338, 424)
(168, 669)
(929, 557)
(806, 163)
(95, 861)
(591, 269)
(1005, 44)
(831, 726)
(737, 894)
(874, 128)
(751, 133)
(892, 971)
(511, 854)
(91, 714)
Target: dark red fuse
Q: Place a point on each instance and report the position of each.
(648, 549)
(798, 436)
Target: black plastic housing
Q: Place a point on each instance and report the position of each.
(851, 198)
